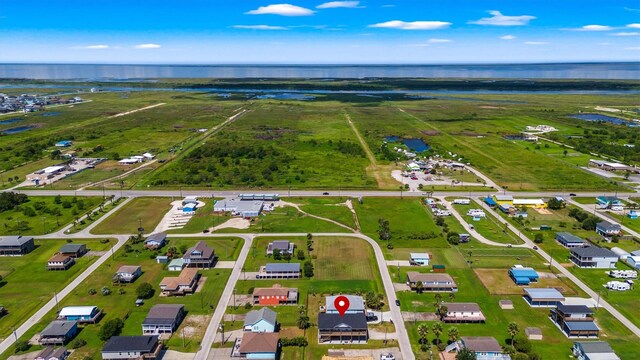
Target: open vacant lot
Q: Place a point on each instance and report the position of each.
(140, 212)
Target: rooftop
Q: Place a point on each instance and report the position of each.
(185, 278)
(58, 328)
(462, 307)
(276, 290)
(574, 309)
(253, 342)
(282, 267)
(608, 226)
(419, 256)
(569, 237)
(544, 293)
(593, 251)
(595, 347)
(331, 321)
(71, 248)
(144, 343)
(14, 240)
(533, 331)
(77, 310)
(581, 326)
(356, 303)
(128, 269)
(163, 313)
(157, 237)
(280, 244)
(266, 314)
(429, 278)
(59, 258)
(481, 344)
(200, 247)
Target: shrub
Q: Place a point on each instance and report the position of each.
(92, 291)
(22, 345)
(248, 306)
(105, 291)
(522, 344)
(538, 239)
(300, 341)
(145, 291)
(110, 328)
(308, 269)
(77, 343)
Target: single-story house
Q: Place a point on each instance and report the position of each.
(431, 282)
(350, 328)
(523, 275)
(199, 256)
(127, 273)
(608, 229)
(569, 240)
(356, 304)
(575, 320)
(183, 284)
(163, 319)
(16, 245)
(60, 262)
(284, 246)
(155, 241)
(148, 156)
(484, 347)
(263, 320)
(81, 314)
(275, 295)
(58, 332)
(64, 143)
(594, 257)
(50, 353)
(593, 350)
(129, 161)
(73, 250)
(258, 346)
(533, 333)
(162, 259)
(176, 264)
(608, 201)
(463, 313)
(132, 347)
(543, 297)
(421, 259)
(280, 271)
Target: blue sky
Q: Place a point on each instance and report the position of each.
(317, 32)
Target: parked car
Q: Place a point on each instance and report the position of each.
(509, 245)
(388, 356)
(572, 194)
(325, 193)
(397, 302)
(205, 231)
(535, 247)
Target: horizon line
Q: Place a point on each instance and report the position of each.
(322, 64)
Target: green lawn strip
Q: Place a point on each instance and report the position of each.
(330, 208)
(26, 284)
(488, 226)
(99, 213)
(199, 306)
(43, 219)
(145, 211)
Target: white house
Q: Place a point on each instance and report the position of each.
(263, 320)
(421, 259)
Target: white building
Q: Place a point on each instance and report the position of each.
(421, 259)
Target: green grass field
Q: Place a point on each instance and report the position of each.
(44, 214)
(78, 226)
(143, 212)
(488, 226)
(22, 300)
(330, 208)
(121, 302)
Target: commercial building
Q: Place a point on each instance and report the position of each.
(523, 275)
(238, 207)
(163, 319)
(594, 257)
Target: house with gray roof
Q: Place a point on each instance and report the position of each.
(156, 241)
(463, 313)
(16, 245)
(575, 321)
(132, 347)
(608, 229)
(594, 257)
(284, 246)
(58, 332)
(593, 350)
(263, 320)
(350, 328)
(73, 250)
(484, 347)
(569, 240)
(356, 304)
(163, 319)
(280, 271)
(199, 256)
(51, 353)
(543, 297)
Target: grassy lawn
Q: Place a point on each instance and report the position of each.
(45, 214)
(334, 208)
(121, 302)
(22, 301)
(145, 211)
(94, 216)
(488, 226)
(342, 266)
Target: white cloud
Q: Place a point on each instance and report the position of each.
(507, 37)
(503, 20)
(259, 27)
(604, 44)
(438, 41)
(388, 6)
(631, 9)
(535, 43)
(281, 9)
(92, 47)
(340, 4)
(635, 33)
(634, 26)
(147, 46)
(412, 25)
(633, 48)
(594, 28)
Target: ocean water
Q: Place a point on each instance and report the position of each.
(629, 70)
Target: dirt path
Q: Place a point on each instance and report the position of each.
(123, 175)
(135, 111)
(364, 145)
(349, 205)
(297, 207)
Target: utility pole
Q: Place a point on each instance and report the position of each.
(55, 296)
(183, 337)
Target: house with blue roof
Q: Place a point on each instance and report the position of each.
(607, 202)
(523, 275)
(64, 143)
(489, 201)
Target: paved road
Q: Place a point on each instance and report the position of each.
(35, 318)
(631, 326)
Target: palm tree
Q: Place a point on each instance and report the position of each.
(452, 296)
(453, 334)
(303, 322)
(442, 311)
(302, 310)
(423, 330)
(513, 330)
(438, 299)
(437, 330)
(419, 287)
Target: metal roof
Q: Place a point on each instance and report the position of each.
(581, 326)
(159, 237)
(266, 314)
(332, 321)
(77, 311)
(526, 272)
(544, 293)
(356, 303)
(144, 343)
(15, 240)
(593, 251)
(163, 314)
(282, 267)
(463, 307)
(569, 237)
(608, 226)
(574, 309)
(72, 248)
(595, 347)
(419, 256)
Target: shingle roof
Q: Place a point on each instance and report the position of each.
(50, 353)
(265, 314)
(281, 267)
(59, 258)
(481, 344)
(569, 238)
(14, 240)
(459, 307)
(356, 303)
(163, 314)
(574, 309)
(58, 328)
(595, 347)
(128, 269)
(593, 251)
(429, 278)
(206, 251)
(331, 321)
(272, 291)
(259, 343)
(280, 245)
(608, 226)
(159, 237)
(185, 278)
(144, 343)
(71, 248)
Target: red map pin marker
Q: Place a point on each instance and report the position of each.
(342, 304)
